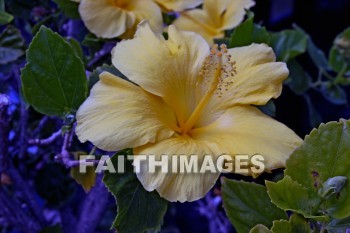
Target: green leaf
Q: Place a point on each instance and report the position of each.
(247, 204)
(288, 194)
(315, 118)
(288, 44)
(94, 77)
(138, 210)
(5, 18)
(296, 224)
(339, 58)
(53, 80)
(299, 81)
(12, 45)
(260, 229)
(324, 154)
(339, 225)
(333, 93)
(316, 54)
(248, 33)
(69, 8)
(77, 48)
(269, 108)
(336, 60)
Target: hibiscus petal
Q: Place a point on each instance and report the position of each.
(235, 12)
(166, 68)
(244, 130)
(104, 19)
(198, 21)
(176, 186)
(259, 78)
(120, 115)
(178, 5)
(144, 10)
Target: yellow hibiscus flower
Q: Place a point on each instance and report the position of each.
(215, 17)
(189, 100)
(178, 5)
(119, 18)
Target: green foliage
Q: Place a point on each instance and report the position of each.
(260, 229)
(288, 194)
(288, 44)
(299, 81)
(5, 17)
(138, 210)
(94, 77)
(248, 33)
(247, 204)
(53, 80)
(296, 224)
(69, 8)
(339, 58)
(11, 45)
(333, 93)
(325, 154)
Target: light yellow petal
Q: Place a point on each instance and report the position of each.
(226, 14)
(235, 12)
(178, 5)
(144, 10)
(244, 130)
(104, 19)
(258, 79)
(178, 186)
(199, 21)
(120, 115)
(166, 68)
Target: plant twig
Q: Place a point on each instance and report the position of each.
(46, 141)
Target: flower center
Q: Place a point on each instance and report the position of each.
(216, 74)
(118, 3)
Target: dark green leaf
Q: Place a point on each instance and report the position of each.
(260, 229)
(316, 54)
(5, 18)
(138, 210)
(288, 44)
(339, 58)
(333, 93)
(94, 77)
(296, 224)
(269, 109)
(70, 8)
(248, 33)
(77, 48)
(336, 60)
(288, 194)
(299, 81)
(53, 80)
(247, 204)
(12, 45)
(324, 154)
(315, 118)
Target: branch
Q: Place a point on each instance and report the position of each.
(93, 209)
(46, 141)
